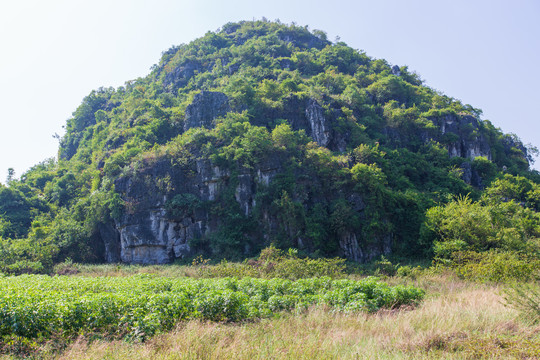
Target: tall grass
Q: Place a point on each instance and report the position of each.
(526, 299)
(460, 320)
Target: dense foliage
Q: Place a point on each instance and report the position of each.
(393, 157)
(142, 305)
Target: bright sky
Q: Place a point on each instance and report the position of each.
(53, 53)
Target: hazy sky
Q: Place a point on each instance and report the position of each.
(53, 53)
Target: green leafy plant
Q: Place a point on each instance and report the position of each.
(526, 299)
(143, 305)
(495, 266)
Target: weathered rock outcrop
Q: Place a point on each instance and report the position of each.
(111, 241)
(463, 136)
(181, 75)
(307, 115)
(148, 232)
(353, 250)
(513, 145)
(319, 125)
(471, 176)
(206, 106)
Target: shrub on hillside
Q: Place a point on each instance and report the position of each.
(495, 266)
(275, 263)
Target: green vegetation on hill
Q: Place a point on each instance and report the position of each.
(381, 168)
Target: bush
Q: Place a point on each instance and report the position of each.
(271, 253)
(385, 267)
(408, 271)
(495, 266)
(275, 263)
(226, 269)
(24, 267)
(65, 268)
(443, 250)
(494, 222)
(182, 205)
(294, 268)
(525, 299)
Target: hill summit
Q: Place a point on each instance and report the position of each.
(259, 133)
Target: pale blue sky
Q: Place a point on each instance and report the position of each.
(53, 53)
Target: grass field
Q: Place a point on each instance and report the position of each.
(462, 321)
(457, 320)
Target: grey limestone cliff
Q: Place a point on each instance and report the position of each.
(149, 233)
(463, 135)
(152, 230)
(206, 107)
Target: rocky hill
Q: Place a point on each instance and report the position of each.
(259, 133)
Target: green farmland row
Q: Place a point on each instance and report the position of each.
(143, 305)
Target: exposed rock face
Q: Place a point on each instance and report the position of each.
(111, 241)
(470, 176)
(352, 249)
(181, 75)
(319, 126)
(510, 144)
(305, 115)
(244, 193)
(463, 136)
(469, 140)
(153, 239)
(206, 106)
(310, 116)
(148, 233)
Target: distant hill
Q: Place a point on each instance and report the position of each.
(260, 133)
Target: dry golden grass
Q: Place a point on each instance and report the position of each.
(460, 321)
(117, 270)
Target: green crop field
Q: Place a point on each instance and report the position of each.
(142, 305)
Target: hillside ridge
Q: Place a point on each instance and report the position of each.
(260, 133)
